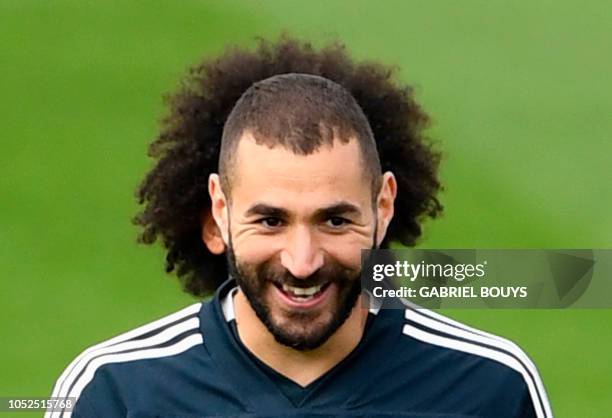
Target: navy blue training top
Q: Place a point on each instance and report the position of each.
(409, 363)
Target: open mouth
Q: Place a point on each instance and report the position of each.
(302, 295)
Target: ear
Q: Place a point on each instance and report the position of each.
(385, 205)
(219, 208)
(211, 235)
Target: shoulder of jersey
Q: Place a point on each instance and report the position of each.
(168, 336)
(432, 328)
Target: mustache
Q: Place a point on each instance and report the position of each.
(331, 273)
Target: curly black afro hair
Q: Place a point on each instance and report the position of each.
(175, 192)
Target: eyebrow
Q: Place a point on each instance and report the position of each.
(337, 209)
(261, 209)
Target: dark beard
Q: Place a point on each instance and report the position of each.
(254, 280)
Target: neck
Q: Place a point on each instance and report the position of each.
(303, 367)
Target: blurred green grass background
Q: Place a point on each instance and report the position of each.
(521, 97)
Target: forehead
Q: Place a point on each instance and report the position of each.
(333, 172)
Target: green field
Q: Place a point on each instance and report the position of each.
(521, 97)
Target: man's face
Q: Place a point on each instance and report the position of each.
(296, 226)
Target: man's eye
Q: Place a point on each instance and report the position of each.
(271, 222)
(337, 222)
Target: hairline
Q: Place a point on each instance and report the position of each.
(228, 158)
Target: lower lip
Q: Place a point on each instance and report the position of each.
(306, 304)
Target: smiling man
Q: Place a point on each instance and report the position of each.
(276, 168)
(300, 193)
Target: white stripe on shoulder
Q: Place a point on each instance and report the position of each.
(77, 364)
(532, 377)
(442, 323)
(461, 325)
(160, 338)
(177, 348)
(495, 355)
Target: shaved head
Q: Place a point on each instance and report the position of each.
(301, 113)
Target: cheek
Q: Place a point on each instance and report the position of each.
(348, 252)
(254, 250)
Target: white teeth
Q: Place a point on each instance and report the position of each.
(302, 291)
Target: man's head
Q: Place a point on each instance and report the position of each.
(176, 203)
(300, 193)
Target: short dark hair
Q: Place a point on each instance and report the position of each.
(174, 193)
(300, 112)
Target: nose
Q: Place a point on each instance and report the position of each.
(302, 255)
